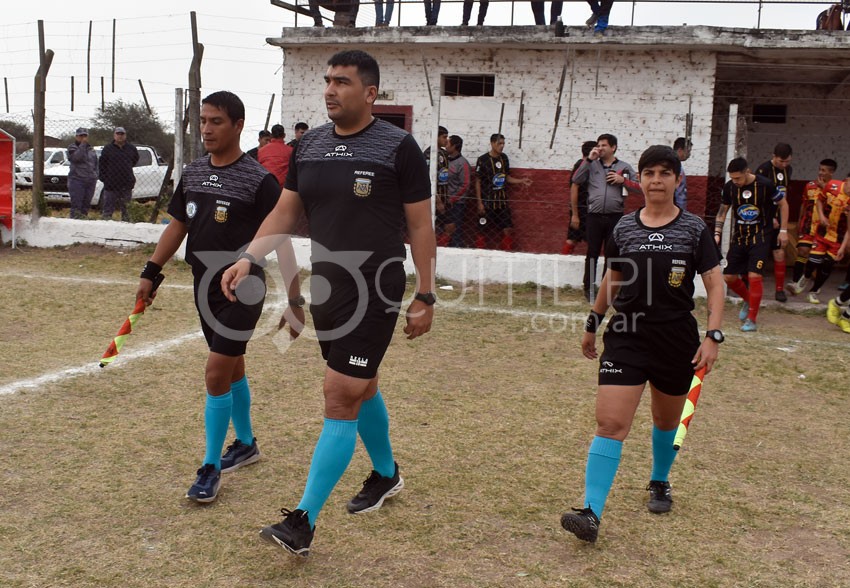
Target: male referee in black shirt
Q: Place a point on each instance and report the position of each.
(357, 178)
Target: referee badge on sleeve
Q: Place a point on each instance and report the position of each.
(677, 274)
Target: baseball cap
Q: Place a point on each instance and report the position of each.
(120, 130)
(82, 131)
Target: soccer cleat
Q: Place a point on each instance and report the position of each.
(745, 310)
(833, 312)
(813, 297)
(780, 296)
(749, 326)
(660, 499)
(376, 489)
(293, 533)
(238, 454)
(583, 523)
(844, 323)
(205, 488)
(797, 287)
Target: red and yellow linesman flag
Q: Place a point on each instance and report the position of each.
(690, 407)
(118, 342)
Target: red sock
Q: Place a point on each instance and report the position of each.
(443, 240)
(567, 248)
(739, 288)
(756, 291)
(507, 243)
(480, 242)
(779, 272)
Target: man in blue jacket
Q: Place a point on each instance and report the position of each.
(82, 178)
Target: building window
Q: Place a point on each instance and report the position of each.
(457, 85)
(770, 113)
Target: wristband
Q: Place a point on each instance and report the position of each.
(150, 271)
(594, 319)
(249, 257)
(783, 230)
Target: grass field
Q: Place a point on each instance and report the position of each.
(492, 414)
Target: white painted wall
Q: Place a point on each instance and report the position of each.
(641, 96)
(461, 265)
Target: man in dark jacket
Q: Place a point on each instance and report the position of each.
(116, 173)
(82, 177)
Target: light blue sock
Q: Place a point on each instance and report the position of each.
(241, 415)
(663, 453)
(373, 425)
(216, 421)
(333, 453)
(603, 459)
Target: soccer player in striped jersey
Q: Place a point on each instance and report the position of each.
(806, 221)
(778, 171)
(753, 200)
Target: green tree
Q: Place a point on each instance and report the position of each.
(143, 128)
(18, 130)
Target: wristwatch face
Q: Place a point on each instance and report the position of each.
(716, 336)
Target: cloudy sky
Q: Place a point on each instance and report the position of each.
(154, 45)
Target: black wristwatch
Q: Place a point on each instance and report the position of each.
(297, 302)
(715, 335)
(428, 298)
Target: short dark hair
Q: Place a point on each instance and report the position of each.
(830, 163)
(739, 164)
(612, 140)
(782, 150)
(660, 155)
(367, 67)
(301, 126)
(228, 102)
(441, 130)
(278, 132)
(456, 142)
(587, 147)
(496, 136)
(681, 143)
(264, 133)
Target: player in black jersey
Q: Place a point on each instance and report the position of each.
(357, 178)
(653, 258)
(778, 171)
(753, 200)
(219, 203)
(492, 176)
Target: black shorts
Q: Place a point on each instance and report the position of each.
(499, 218)
(229, 325)
(579, 233)
(658, 353)
(355, 331)
(742, 259)
(773, 239)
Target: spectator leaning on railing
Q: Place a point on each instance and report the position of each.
(116, 173)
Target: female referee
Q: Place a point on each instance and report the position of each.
(652, 258)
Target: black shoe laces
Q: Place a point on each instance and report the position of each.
(373, 478)
(205, 472)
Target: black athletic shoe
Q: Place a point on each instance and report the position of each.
(293, 533)
(583, 523)
(660, 499)
(205, 488)
(376, 489)
(238, 454)
(780, 296)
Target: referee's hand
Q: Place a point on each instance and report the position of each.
(419, 317)
(232, 276)
(588, 345)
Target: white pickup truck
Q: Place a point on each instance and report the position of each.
(149, 172)
(53, 156)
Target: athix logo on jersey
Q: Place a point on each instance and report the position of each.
(212, 182)
(358, 361)
(340, 151)
(655, 243)
(362, 187)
